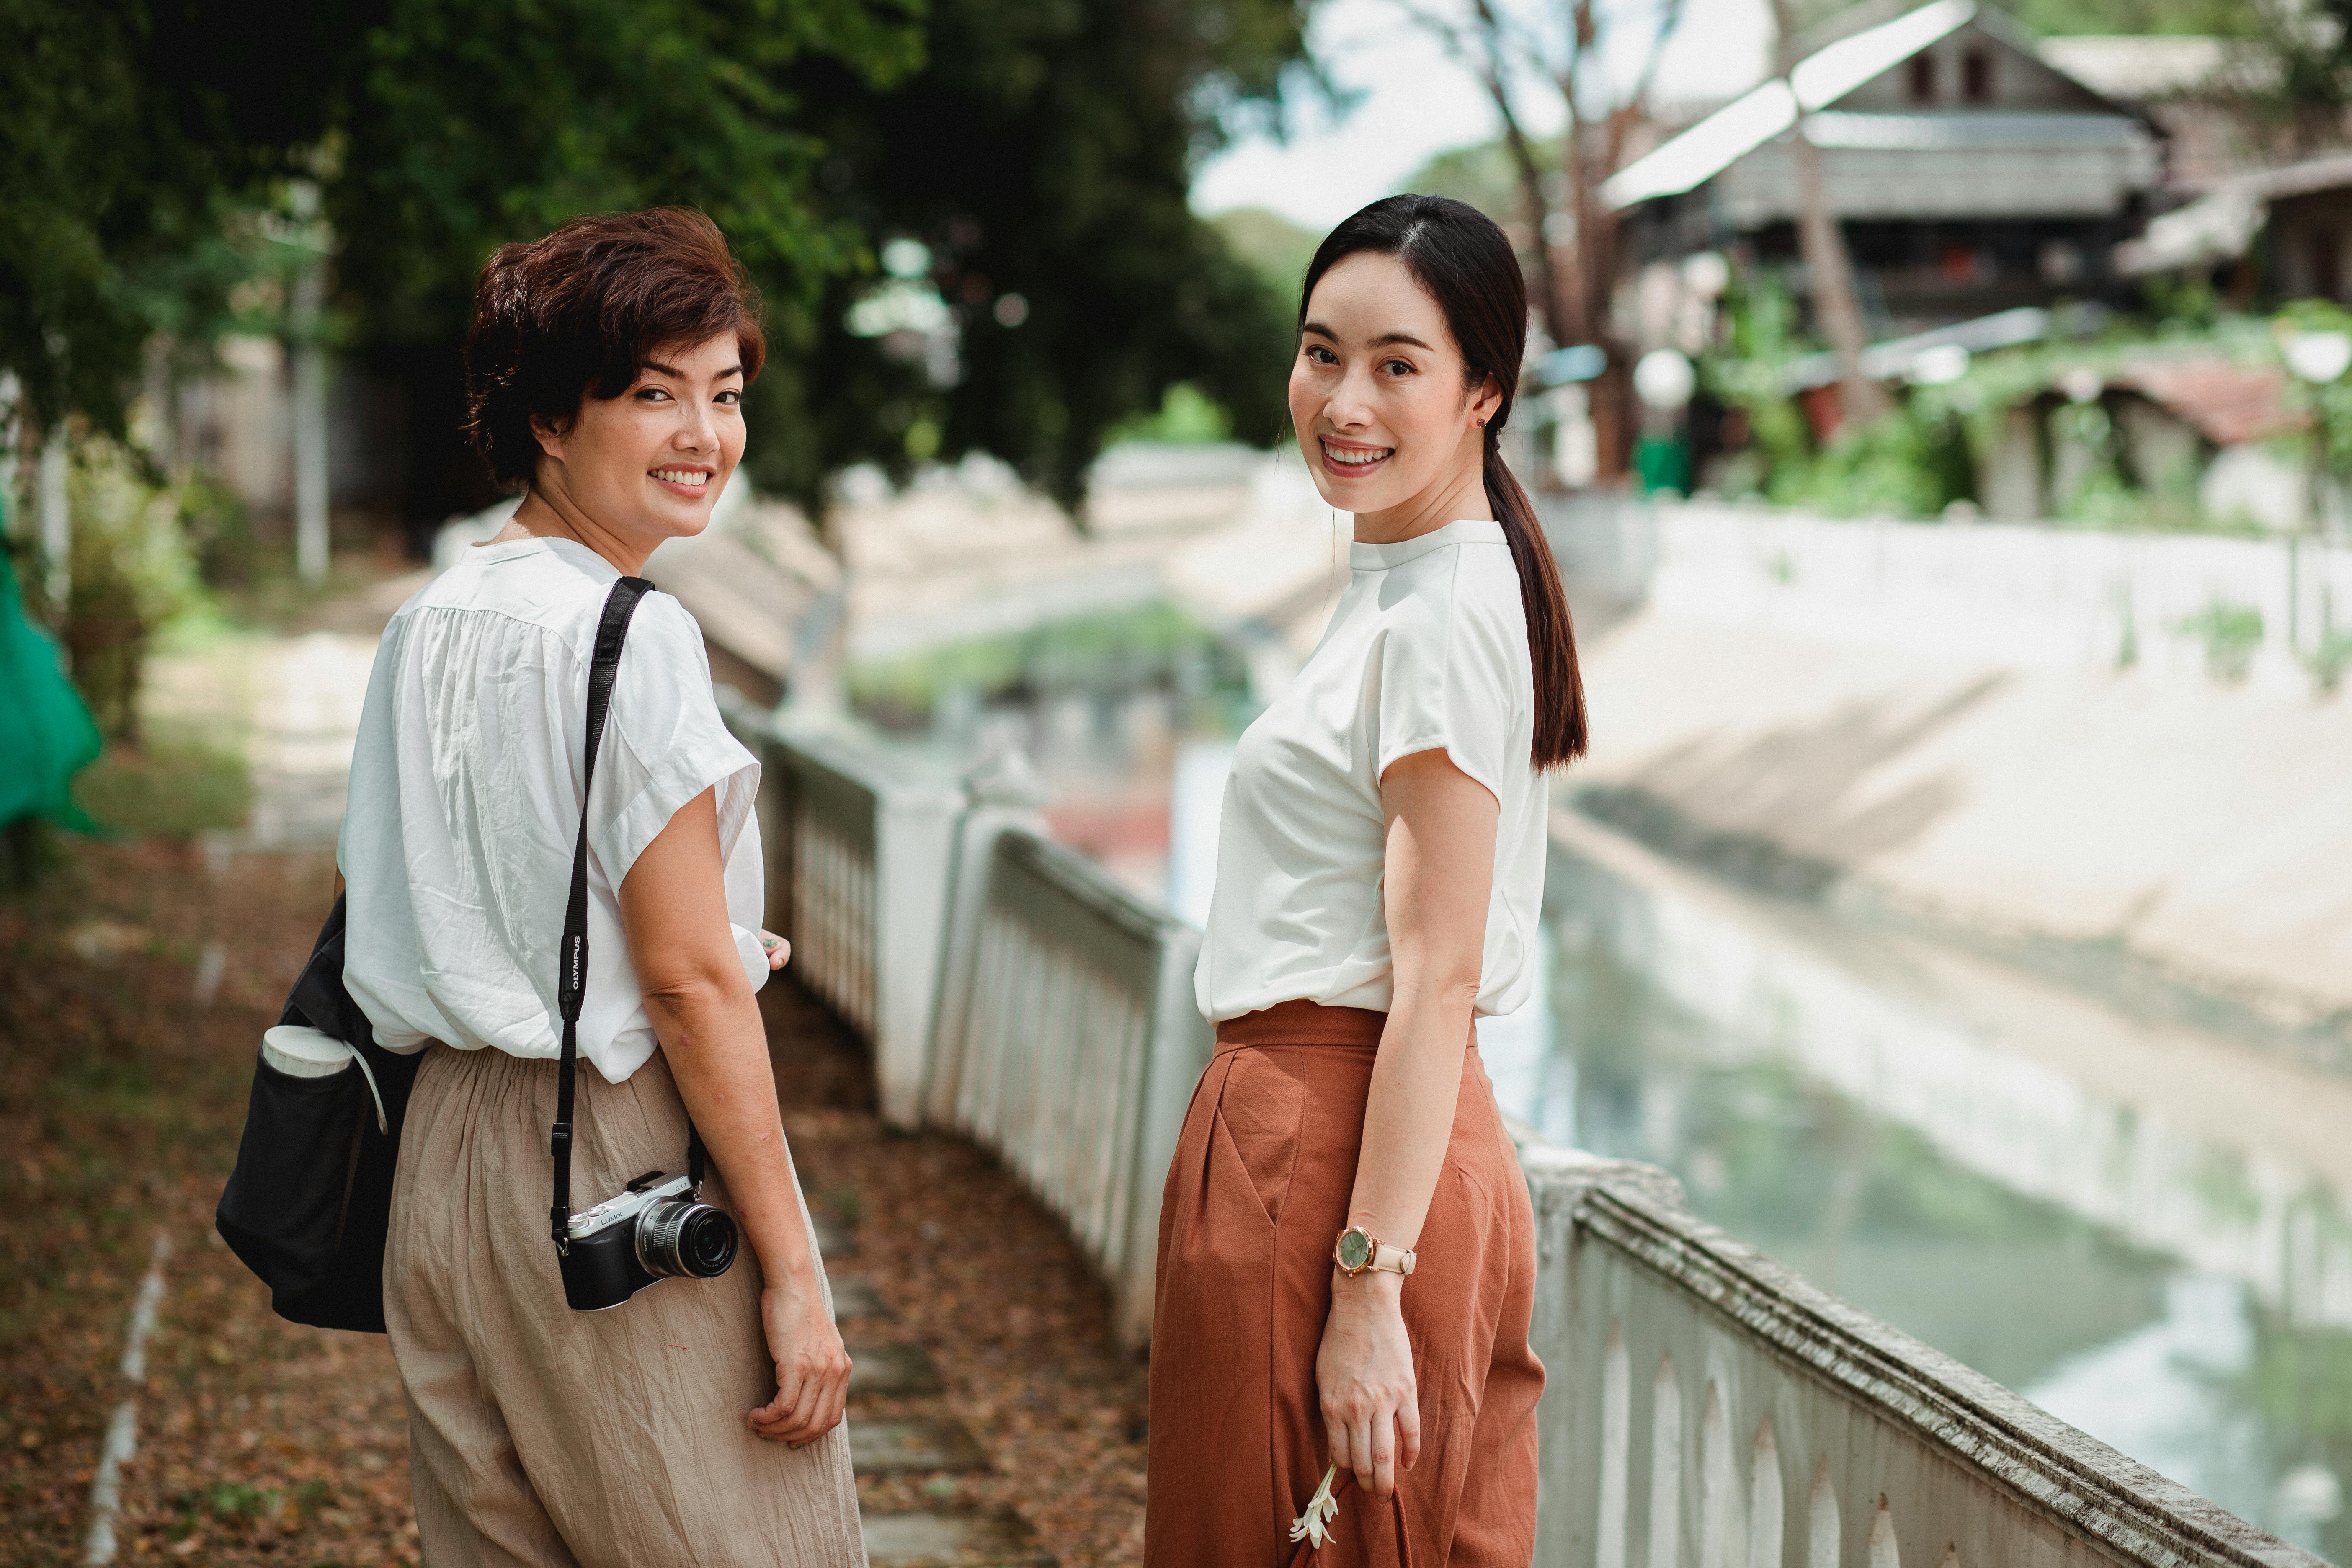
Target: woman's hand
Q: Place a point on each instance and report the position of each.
(779, 951)
(1371, 1402)
(812, 1368)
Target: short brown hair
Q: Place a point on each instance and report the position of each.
(575, 315)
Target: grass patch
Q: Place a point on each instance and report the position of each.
(170, 789)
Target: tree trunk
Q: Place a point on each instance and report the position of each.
(1828, 271)
(1831, 273)
(1595, 262)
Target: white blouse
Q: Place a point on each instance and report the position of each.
(464, 802)
(1427, 648)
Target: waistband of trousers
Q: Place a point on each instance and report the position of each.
(1301, 1022)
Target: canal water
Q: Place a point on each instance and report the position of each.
(2141, 1226)
(2138, 1229)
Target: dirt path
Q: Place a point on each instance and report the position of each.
(121, 1100)
(122, 1095)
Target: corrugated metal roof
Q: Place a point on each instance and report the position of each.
(2229, 404)
(1892, 360)
(1731, 133)
(2220, 224)
(1921, 131)
(2139, 68)
(1821, 79)
(1707, 149)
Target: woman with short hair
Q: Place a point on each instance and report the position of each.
(699, 1420)
(1347, 1251)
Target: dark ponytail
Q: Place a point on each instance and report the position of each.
(1464, 262)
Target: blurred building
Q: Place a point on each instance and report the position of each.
(1970, 174)
(2270, 235)
(238, 423)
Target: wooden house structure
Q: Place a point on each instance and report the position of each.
(1969, 174)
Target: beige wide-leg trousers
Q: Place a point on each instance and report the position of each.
(546, 1437)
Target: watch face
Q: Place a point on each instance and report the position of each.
(1355, 1249)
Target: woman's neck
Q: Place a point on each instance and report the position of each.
(1460, 495)
(548, 513)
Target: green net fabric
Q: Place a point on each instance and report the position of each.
(47, 734)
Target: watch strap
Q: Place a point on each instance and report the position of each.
(1381, 1255)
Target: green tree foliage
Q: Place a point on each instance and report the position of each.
(1275, 247)
(2298, 67)
(1037, 147)
(131, 572)
(120, 151)
(2220, 18)
(460, 127)
(464, 125)
(1044, 152)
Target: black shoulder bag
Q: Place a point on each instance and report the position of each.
(309, 1202)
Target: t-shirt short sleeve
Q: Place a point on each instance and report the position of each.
(1445, 679)
(664, 742)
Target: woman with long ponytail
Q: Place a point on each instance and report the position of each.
(1347, 1251)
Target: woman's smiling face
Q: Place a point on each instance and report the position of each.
(652, 460)
(1377, 394)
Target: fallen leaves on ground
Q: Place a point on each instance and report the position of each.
(122, 1097)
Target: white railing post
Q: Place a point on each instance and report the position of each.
(857, 878)
(1006, 796)
(915, 830)
(1860, 1445)
(1181, 1044)
(1574, 1449)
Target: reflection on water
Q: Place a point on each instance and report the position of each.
(1823, 1093)
(2139, 1227)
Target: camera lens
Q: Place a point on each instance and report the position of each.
(680, 1237)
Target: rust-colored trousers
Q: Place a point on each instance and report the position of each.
(1257, 1194)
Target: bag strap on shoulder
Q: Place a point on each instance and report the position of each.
(572, 982)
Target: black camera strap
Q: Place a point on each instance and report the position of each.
(572, 983)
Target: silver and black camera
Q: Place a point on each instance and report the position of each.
(656, 1229)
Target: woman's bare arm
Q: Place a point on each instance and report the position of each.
(674, 914)
(1440, 868)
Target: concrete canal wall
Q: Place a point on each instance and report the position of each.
(2127, 742)
(1707, 1406)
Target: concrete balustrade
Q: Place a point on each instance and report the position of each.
(1010, 987)
(1708, 1407)
(1074, 1048)
(857, 880)
(2025, 596)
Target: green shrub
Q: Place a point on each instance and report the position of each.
(2230, 634)
(131, 571)
(219, 529)
(1914, 462)
(2329, 660)
(1186, 416)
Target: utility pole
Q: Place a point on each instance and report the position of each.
(57, 521)
(1829, 269)
(305, 325)
(12, 398)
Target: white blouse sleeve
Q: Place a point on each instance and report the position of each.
(664, 742)
(1447, 681)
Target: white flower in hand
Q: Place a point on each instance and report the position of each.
(1321, 1509)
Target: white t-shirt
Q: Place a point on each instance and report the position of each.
(1427, 648)
(465, 802)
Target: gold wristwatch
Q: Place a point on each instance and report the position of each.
(1359, 1249)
